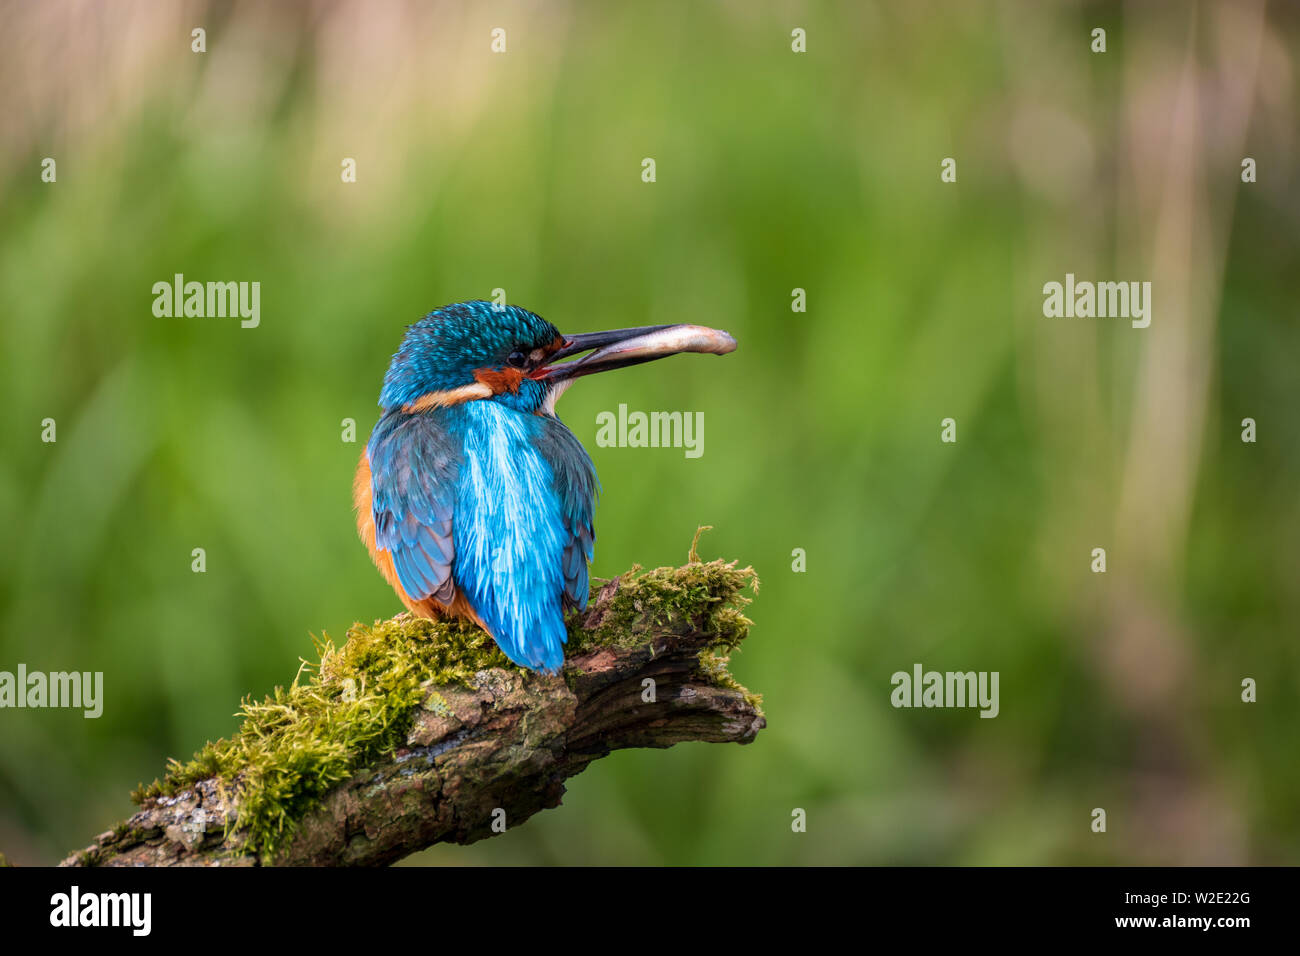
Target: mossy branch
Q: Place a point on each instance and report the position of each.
(418, 732)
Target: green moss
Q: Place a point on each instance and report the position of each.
(358, 702)
(706, 595)
(713, 667)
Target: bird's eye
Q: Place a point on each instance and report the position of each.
(517, 359)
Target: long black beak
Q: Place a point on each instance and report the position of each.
(621, 348)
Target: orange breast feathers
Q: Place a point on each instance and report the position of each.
(424, 607)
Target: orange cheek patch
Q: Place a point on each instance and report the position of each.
(500, 379)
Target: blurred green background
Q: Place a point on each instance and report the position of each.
(776, 170)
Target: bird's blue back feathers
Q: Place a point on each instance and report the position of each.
(501, 498)
(515, 527)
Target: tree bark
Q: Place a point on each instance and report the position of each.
(487, 757)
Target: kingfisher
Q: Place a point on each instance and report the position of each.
(473, 498)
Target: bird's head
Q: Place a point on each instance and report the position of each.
(474, 351)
